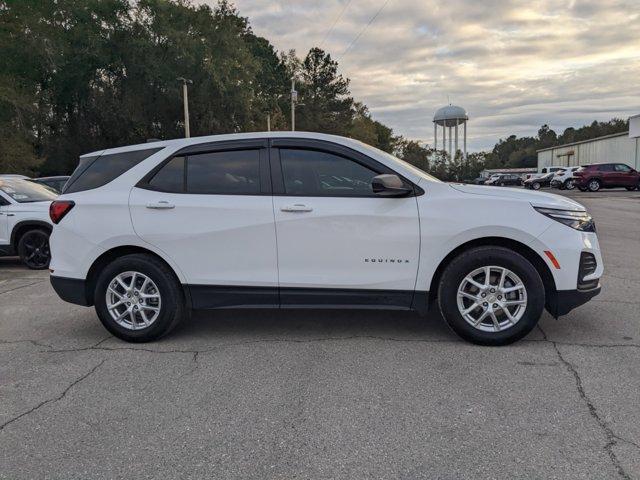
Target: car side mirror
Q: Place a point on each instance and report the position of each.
(389, 185)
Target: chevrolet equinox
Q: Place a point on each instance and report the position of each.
(305, 220)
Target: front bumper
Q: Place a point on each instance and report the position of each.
(562, 302)
(72, 290)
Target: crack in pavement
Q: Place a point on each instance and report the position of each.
(612, 438)
(312, 340)
(21, 286)
(54, 399)
(33, 342)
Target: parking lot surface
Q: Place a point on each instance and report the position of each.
(326, 394)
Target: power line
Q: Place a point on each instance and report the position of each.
(371, 20)
(326, 35)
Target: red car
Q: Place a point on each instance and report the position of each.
(606, 175)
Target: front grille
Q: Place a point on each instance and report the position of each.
(588, 265)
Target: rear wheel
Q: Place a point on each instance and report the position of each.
(33, 248)
(535, 186)
(594, 185)
(491, 296)
(138, 298)
(569, 185)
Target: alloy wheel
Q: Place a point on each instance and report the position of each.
(594, 185)
(36, 252)
(492, 298)
(569, 185)
(133, 300)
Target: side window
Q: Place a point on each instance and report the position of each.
(170, 178)
(621, 167)
(235, 172)
(94, 172)
(607, 167)
(544, 170)
(315, 173)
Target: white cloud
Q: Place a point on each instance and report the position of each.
(513, 65)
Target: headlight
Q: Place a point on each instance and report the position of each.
(575, 219)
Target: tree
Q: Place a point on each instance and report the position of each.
(328, 106)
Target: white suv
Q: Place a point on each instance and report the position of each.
(296, 220)
(24, 220)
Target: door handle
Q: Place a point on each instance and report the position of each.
(161, 205)
(298, 207)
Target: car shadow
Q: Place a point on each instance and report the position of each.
(312, 323)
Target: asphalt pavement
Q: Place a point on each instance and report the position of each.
(257, 394)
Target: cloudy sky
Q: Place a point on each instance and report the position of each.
(514, 65)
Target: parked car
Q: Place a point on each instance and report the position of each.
(25, 225)
(606, 175)
(563, 179)
(544, 171)
(479, 180)
(491, 179)
(505, 179)
(537, 183)
(56, 183)
(296, 220)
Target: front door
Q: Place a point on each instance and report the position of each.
(624, 176)
(212, 214)
(338, 242)
(4, 222)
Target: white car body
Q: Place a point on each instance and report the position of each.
(561, 177)
(544, 171)
(291, 249)
(16, 218)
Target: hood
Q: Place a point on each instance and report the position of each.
(537, 199)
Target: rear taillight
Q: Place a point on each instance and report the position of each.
(58, 209)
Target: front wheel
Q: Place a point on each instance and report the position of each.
(491, 296)
(535, 186)
(138, 298)
(569, 185)
(33, 248)
(631, 189)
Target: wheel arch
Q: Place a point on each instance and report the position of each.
(22, 227)
(527, 252)
(110, 255)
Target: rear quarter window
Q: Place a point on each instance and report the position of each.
(94, 172)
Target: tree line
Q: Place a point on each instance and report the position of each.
(83, 75)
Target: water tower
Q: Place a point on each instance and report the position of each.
(449, 117)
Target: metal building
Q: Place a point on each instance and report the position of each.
(620, 147)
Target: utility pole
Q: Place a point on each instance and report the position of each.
(185, 101)
(294, 99)
(268, 122)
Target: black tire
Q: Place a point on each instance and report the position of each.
(594, 185)
(535, 186)
(479, 257)
(569, 185)
(33, 249)
(172, 307)
(630, 189)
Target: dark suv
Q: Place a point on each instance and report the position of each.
(606, 175)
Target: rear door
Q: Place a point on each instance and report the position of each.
(338, 242)
(210, 209)
(607, 175)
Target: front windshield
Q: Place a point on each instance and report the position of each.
(24, 191)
